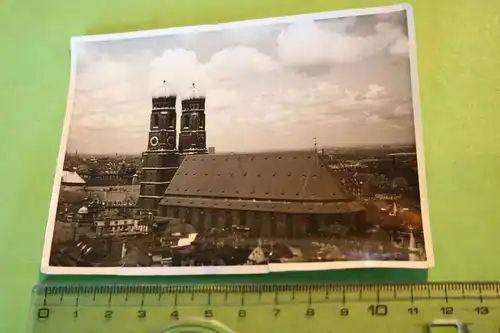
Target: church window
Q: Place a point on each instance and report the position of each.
(212, 218)
(175, 212)
(171, 120)
(313, 225)
(243, 218)
(156, 120)
(228, 220)
(202, 121)
(185, 121)
(193, 123)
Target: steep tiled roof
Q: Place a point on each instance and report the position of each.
(71, 177)
(278, 176)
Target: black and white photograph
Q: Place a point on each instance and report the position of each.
(278, 144)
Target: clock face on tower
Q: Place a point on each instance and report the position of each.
(153, 141)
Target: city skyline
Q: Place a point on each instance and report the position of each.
(264, 92)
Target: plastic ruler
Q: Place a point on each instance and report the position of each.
(433, 307)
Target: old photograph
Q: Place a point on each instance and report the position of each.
(278, 144)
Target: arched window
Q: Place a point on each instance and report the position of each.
(228, 220)
(156, 120)
(243, 218)
(175, 212)
(193, 124)
(201, 121)
(185, 121)
(171, 120)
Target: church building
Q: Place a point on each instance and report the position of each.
(273, 194)
(283, 194)
(163, 155)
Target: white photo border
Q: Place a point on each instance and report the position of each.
(250, 269)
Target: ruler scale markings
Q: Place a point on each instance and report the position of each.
(45, 298)
(464, 300)
(77, 301)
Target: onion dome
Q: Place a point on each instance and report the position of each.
(193, 93)
(162, 91)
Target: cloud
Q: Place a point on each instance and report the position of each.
(375, 118)
(239, 60)
(307, 43)
(403, 109)
(254, 100)
(179, 68)
(401, 47)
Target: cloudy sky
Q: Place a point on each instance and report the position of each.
(345, 81)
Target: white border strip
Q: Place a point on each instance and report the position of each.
(417, 119)
(233, 270)
(227, 270)
(242, 24)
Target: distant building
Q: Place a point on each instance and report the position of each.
(120, 227)
(87, 204)
(211, 150)
(111, 178)
(135, 179)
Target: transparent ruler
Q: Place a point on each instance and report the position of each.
(450, 307)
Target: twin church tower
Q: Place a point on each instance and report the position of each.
(164, 152)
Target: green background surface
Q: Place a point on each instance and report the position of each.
(458, 45)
